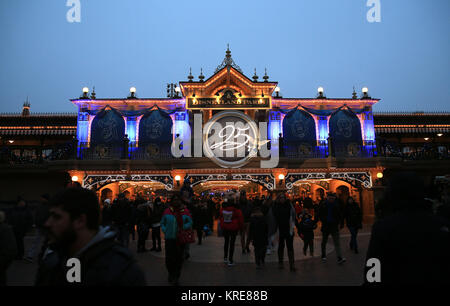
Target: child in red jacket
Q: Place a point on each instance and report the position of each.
(231, 221)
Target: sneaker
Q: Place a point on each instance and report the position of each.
(230, 263)
(268, 252)
(225, 260)
(324, 259)
(341, 260)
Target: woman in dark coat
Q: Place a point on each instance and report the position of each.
(200, 218)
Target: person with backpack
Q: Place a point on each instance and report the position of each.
(175, 218)
(305, 229)
(353, 219)
(157, 208)
(231, 222)
(258, 235)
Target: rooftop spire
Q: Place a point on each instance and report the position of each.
(190, 76)
(255, 77)
(26, 108)
(228, 62)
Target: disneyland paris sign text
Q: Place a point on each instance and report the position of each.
(230, 139)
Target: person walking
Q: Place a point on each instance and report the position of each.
(41, 216)
(306, 228)
(200, 218)
(353, 219)
(231, 222)
(121, 219)
(74, 232)
(175, 218)
(246, 208)
(107, 216)
(258, 235)
(143, 215)
(284, 214)
(8, 248)
(157, 208)
(331, 217)
(21, 221)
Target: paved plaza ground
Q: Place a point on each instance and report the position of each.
(206, 267)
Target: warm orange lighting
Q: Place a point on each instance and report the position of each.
(379, 175)
(11, 141)
(74, 178)
(440, 134)
(281, 176)
(426, 138)
(177, 178)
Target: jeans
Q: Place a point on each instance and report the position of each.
(260, 254)
(289, 240)
(37, 240)
(156, 236)
(123, 235)
(308, 243)
(199, 235)
(228, 248)
(336, 241)
(353, 242)
(142, 236)
(174, 258)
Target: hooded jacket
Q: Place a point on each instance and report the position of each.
(231, 218)
(103, 261)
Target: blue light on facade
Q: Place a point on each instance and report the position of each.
(82, 130)
(274, 127)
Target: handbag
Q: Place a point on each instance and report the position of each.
(184, 236)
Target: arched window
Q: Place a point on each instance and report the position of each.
(299, 132)
(345, 132)
(155, 127)
(108, 127)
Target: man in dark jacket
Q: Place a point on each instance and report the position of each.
(74, 232)
(121, 219)
(331, 217)
(258, 235)
(8, 248)
(353, 219)
(411, 244)
(157, 210)
(284, 214)
(21, 221)
(143, 214)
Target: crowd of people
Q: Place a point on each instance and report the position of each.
(73, 224)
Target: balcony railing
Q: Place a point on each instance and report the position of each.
(69, 151)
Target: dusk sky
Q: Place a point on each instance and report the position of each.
(404, 60)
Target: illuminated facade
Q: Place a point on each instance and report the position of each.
(322, 144)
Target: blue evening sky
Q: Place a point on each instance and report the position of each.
(403, 60)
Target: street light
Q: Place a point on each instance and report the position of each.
(74, 178)
(320, 91)
(132, 92)
(177, 179)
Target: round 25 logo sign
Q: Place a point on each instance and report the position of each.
(230, 139)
